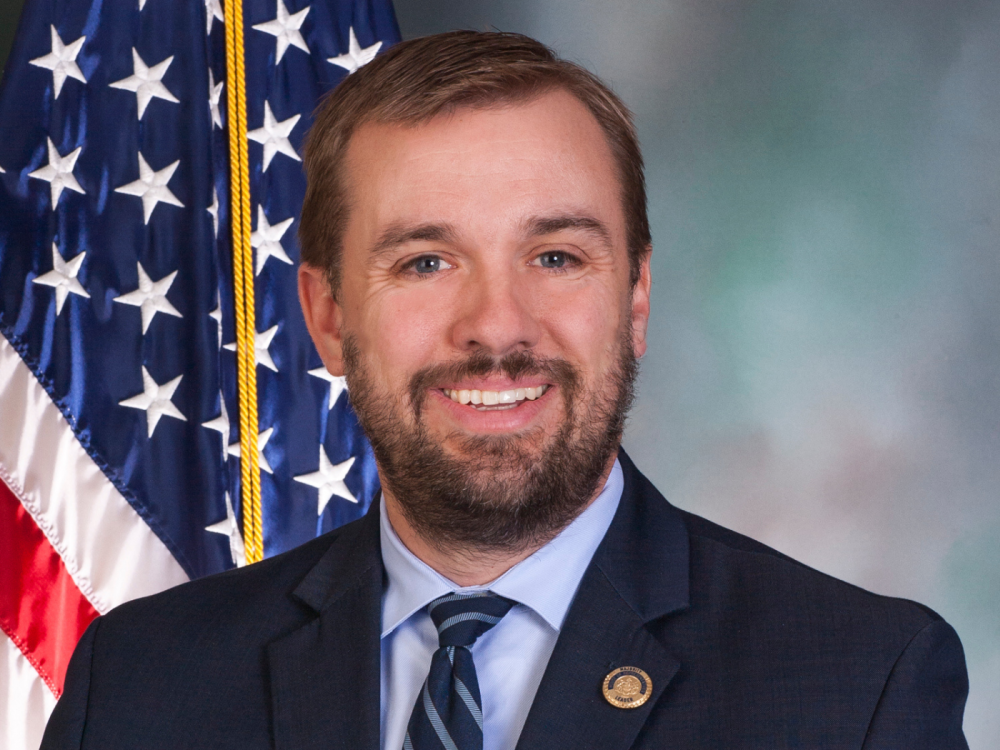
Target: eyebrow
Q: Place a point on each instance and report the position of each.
(539, 226)
(398, 234)
(543, 225)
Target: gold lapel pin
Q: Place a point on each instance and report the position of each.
(627, 687)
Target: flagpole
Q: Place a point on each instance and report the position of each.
(243, 281)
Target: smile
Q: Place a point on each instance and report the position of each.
(494, 400)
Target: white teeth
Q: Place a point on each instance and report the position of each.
(494, 398)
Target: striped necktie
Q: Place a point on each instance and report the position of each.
(448, 714)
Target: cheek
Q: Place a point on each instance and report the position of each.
(585, 325)
(402, 329)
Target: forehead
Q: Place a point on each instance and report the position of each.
(484, 168)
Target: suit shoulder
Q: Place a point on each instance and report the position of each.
(233, 594)
(758, 564)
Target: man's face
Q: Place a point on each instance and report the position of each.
(485, 319)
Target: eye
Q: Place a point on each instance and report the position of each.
(426, 265)
(555, 260)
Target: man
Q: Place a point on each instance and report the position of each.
(476, 262)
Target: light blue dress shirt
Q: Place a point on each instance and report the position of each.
(511, 657)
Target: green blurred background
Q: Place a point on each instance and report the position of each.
(824, 367)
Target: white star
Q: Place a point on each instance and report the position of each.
(59, 172)
(261, 342)
(221, 423)
(285, 29)
(338, 384)
(267, 240)
(61, 61)
(155, 400)
(212, 11)
(145, 82)
(151, 297)
(329, 480)
(262, 438)
(214, 95)
(355, 57)
(63, 277)
(216, 315)
(228, 527)
(274, 136)
(214, 211)
(152, 187)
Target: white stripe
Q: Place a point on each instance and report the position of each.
(25, 702)
(435, 719)
(454, 596)
(465, 617)
(109, 551)
(470, 702)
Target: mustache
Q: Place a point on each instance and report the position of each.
(481, 364)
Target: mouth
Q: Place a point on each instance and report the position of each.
(484, 400)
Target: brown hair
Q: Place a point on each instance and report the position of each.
(420, 78)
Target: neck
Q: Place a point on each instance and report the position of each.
(467, 566)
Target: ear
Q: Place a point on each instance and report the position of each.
(640, 305)
(324, 317)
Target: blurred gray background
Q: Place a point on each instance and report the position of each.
(824, 367)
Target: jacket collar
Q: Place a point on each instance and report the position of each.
(645, 552)
(348, 563)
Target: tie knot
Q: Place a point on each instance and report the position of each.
(461, 618)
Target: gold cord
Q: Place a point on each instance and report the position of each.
(243, 288)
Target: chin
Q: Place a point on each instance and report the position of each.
(499, 453)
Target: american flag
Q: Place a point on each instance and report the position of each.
(119, 445)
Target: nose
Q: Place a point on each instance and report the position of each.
(496, 314)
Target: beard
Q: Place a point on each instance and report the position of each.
(494, 493)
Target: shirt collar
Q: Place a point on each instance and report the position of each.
(546, 581)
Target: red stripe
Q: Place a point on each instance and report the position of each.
(41, 609)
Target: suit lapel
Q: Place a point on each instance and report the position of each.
(638, 574)
(569, 708)
(325, 674)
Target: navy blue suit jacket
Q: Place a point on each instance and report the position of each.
(745, 648)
